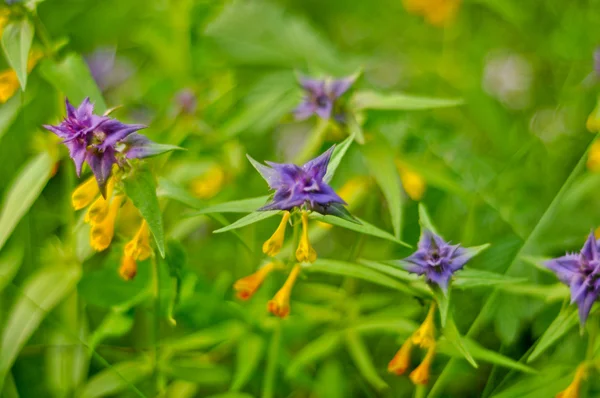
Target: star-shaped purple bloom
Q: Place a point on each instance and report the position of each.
(581, 272)
(300, 186)
(320, 96)
(437, 259)
(97, 140)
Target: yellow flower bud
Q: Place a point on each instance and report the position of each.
(9, 84)
(421, 374)
(593, 160)
(273, 245)
(401, 360)
(139, 247)
(247, 286)
(424, 336)
(280, 304)
(413, 184)
(305, 252)
(128, 268)
(209, 184)
(102, 233)
(84, 194)
(572, 391)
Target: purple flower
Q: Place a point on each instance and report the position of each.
(98, 140)
(301, 186)
(320, 96)
(107, 69)
(437, 259)
(581, 272)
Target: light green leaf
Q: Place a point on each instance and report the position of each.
(227, 331)
(364, 227)
(250, 352)
(197, 370)
(361, 358)
(24, 190)
(380, 160)
(140, 188)
(114, 324)
(343, 268)
(40, 294)
(470, 278)
(453, 335)
(565, 321)
(399, 101)
(171, 190)
(355, 128)
(425, 220)
(8, 113)
(338, 154)
(443, 300)
(232, 395)
(10, 261)
(117, 378)
(249, 219)
(237, 206)
(315, 350)
(16, 43)
(72, 77)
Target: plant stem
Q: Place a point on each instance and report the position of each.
(272, 361)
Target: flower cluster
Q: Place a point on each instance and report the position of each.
(321, 97)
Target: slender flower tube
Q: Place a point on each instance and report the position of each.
(305, 252)
(572, 391)
(424, 336)
(128, 268)
(280, 304)
(248, 285)
(102, 233)
(401, 360)
(273, 245)
(139, 247)
(99, 209)
(421, 374)
(85, 193)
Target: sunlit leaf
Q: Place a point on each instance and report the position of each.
(10, 261)
(338, 154)
(314, 351)
(566, 320)
(249, 219)
(399, 101)
(473, 278)
(16, 43)
(236, 206)
(119, 377)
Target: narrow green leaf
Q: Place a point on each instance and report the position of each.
(360, 355)
(72, 77)
(25, 189)
(141, 189)
(380, 160)
(10, 261)
(41, 293)
(171, 190)
(116, 379)
(197, 370)
(443, 301)
(565, 321)
(114, 324)
(10, 388)
(399, 101)
(364, 227)
(236, 206)
(249, 219)
(425, 220)
(338, 154)
(16, 43)
(315, 350)
(232, 395)
(355, 128)
(453, 335)
(227, 331)
(470, 278)
(250, 352)
(8, 113)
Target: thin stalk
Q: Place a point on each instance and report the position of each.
(272, 361)
(156, 335)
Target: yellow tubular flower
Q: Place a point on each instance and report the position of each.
(102, 233)
(280, 304)
(572, 391)
(139, 247)
(424, 336)
(85, 193)
(401, 360)
(593, 161)
(99, 209)
(421, 374)
(305, 252)
(413, 184)
(209, 184)
(273, 245)
(128, 268)
(247, 286)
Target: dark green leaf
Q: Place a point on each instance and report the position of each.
(565, 321)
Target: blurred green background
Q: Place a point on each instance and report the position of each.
(507, 166)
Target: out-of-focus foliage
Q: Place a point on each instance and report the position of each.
(477, 109)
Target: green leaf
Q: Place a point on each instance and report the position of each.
(236, 206)
(140, 188)
(16, 43)
(41, 293)
(364, 227)
(227, 331)
(343, 268)
(443, 301)
(416, 282)
(355, 128)
(154, 148)
(171, 190)
(380, 160)
(361, 358)
(8, 113)
(425, 221)
(453, 335)
(197, 370)
(231, 395)
(470, 278)
(117, 378)
(114, 324)
(566, 320)
(249, 219)
(10, 261)
(72, 77)
(315, 350)
(24, 190)
(338, 154)
(250, 351)
(399, 101)
(339, 211)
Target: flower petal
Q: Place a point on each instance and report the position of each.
(317, 168)
(340, 86)
(101, 164)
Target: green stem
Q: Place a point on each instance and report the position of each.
(272, 361)
(297, 225)
(156, 334)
